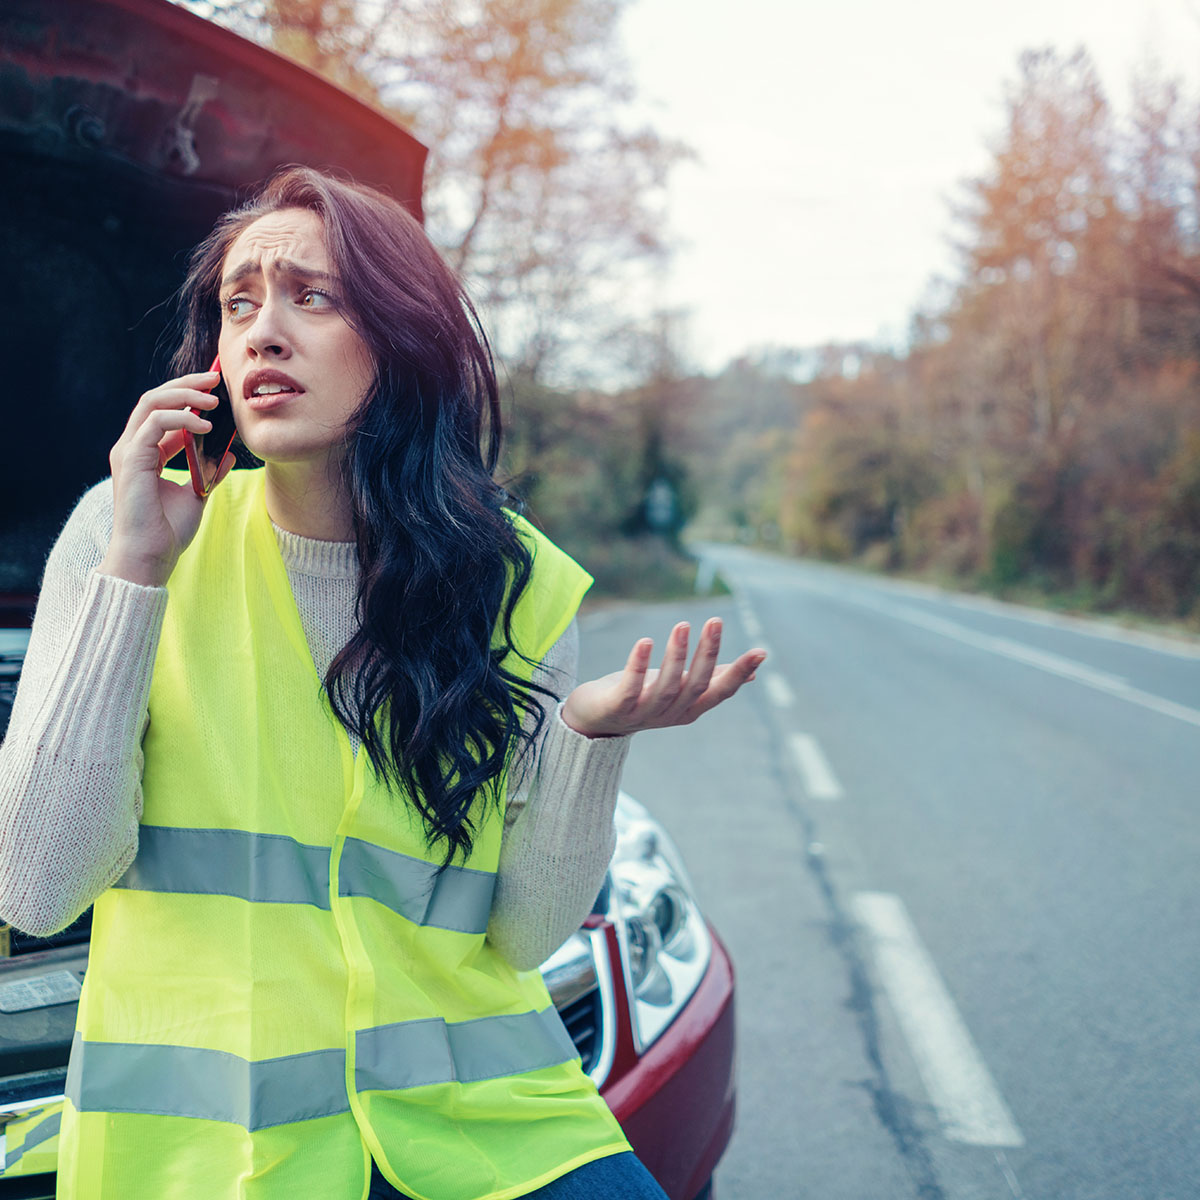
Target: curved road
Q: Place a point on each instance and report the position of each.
(953, 846)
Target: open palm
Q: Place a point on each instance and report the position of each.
(641, 697)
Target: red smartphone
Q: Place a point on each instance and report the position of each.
(206, 451)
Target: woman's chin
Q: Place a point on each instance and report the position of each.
(288, 451)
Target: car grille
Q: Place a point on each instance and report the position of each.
(28, 1187)
(582, 1019)
(14, 943)
(10, 672)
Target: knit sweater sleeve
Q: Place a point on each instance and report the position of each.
(71, 763)
(559, 835)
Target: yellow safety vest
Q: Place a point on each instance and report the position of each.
(29, 1143)
(283, 986)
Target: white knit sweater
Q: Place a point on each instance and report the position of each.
(71, 764)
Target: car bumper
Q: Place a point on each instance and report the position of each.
(676, 1101)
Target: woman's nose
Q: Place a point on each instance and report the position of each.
(268, 334)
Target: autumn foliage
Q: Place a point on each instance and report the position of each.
(1043, 430)
(1040, 433)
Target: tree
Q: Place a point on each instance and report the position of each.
(1041, 237)
(541, 188)
(1160, 195)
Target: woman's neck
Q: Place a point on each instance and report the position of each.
(309, 500)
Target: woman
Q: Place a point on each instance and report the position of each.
(300, 743)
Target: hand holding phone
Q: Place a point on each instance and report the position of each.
(206, 452)
(154, 519)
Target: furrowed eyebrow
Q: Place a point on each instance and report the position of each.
(280, 266)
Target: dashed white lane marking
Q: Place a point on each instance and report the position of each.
(750, 621)
(779, 691)
(959, 1084)
(706, 572)
(819, 780)
(1010, 1176)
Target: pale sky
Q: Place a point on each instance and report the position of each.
(831, 135)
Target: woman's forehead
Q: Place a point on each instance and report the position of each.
(297, 234)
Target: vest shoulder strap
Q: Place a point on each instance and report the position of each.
(551, 597)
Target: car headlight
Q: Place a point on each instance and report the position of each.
(664, 939)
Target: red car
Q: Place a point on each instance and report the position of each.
(126, 128)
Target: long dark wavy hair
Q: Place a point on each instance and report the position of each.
(441, 566)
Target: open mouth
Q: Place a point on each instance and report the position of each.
(271, 396)
(268, 388)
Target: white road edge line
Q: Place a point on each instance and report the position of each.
(961, 1088)
(819, 780)
(597, 620)
(779, 691)
(1053, 664)
(1087, 626)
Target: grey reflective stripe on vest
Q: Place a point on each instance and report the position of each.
(264, 867)
(459, 898)
(181, 1081)
(43, 1133)
(271, 868)
(416, 1053)
(123, 1077)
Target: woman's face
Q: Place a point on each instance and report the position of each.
(296, 372)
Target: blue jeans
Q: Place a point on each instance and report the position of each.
(617, 1177)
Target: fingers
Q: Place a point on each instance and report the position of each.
(634, 675)
(156, 441)
(164, 429)
(194, 390)
(704, 661)
(667, 687)
(169, 446)
(148, 424)
(677, 691)
(679, 696)
(648, 699)
(740, 671)
(714, 683)
(153, 521)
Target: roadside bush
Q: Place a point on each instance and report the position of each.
(943, 535)
(856, 492)
(581, 464)
(1030, 541)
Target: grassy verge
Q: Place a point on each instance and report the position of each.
(642, 570)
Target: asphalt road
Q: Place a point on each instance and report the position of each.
(953, 849)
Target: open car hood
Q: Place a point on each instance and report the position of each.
(126, 128)
(150, 87)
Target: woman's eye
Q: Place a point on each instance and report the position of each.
(233, 306)
(315, 298)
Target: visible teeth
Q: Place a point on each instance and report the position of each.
(270, 389)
